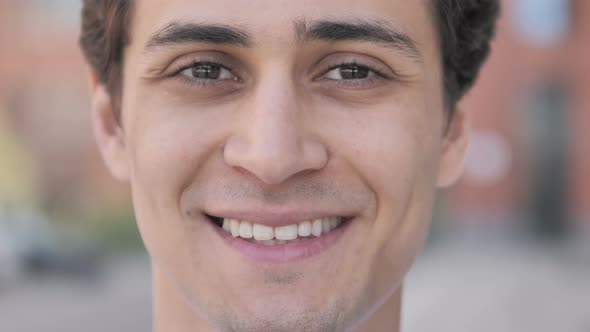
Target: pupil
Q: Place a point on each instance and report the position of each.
(353, 72)
(206, 71)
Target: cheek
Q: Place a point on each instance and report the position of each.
(163, 156)
(394, 149)
(395, 152)
(398, 161)
(167, 150)
(404, 180)
(171, 140)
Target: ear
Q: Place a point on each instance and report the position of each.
(454, 148)
(108, 133)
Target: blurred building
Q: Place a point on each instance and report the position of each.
(17, 176)
(528, 159)
(44, 97)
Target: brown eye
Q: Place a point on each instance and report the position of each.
(354, 72)
(208, 71)
(349, 72)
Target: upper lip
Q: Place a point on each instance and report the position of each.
(276, 218)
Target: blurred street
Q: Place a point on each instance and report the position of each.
(459, 285)
(468, 285)
(118, 300)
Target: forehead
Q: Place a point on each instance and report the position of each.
(274, 22)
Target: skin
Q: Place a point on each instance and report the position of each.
(283, 135)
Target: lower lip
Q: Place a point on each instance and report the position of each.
(286, 253)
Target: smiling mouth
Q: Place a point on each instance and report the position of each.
(280, 235)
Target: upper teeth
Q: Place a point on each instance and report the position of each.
(259, 232)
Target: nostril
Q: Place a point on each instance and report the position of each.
(274, 153)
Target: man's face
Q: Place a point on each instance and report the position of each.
(277, 113)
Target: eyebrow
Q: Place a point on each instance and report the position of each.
(177, 32)
(364, 30)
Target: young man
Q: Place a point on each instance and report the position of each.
(283, 156)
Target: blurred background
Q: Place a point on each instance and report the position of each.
(509, 248)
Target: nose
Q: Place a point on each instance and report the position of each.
(272, 141)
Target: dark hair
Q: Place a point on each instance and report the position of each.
(466, 28)
(103, 39)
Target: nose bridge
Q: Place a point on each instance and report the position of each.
(272, 144)
(276, 113)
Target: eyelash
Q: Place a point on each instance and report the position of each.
(200, 82)
(356, 83)
(344, 83)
